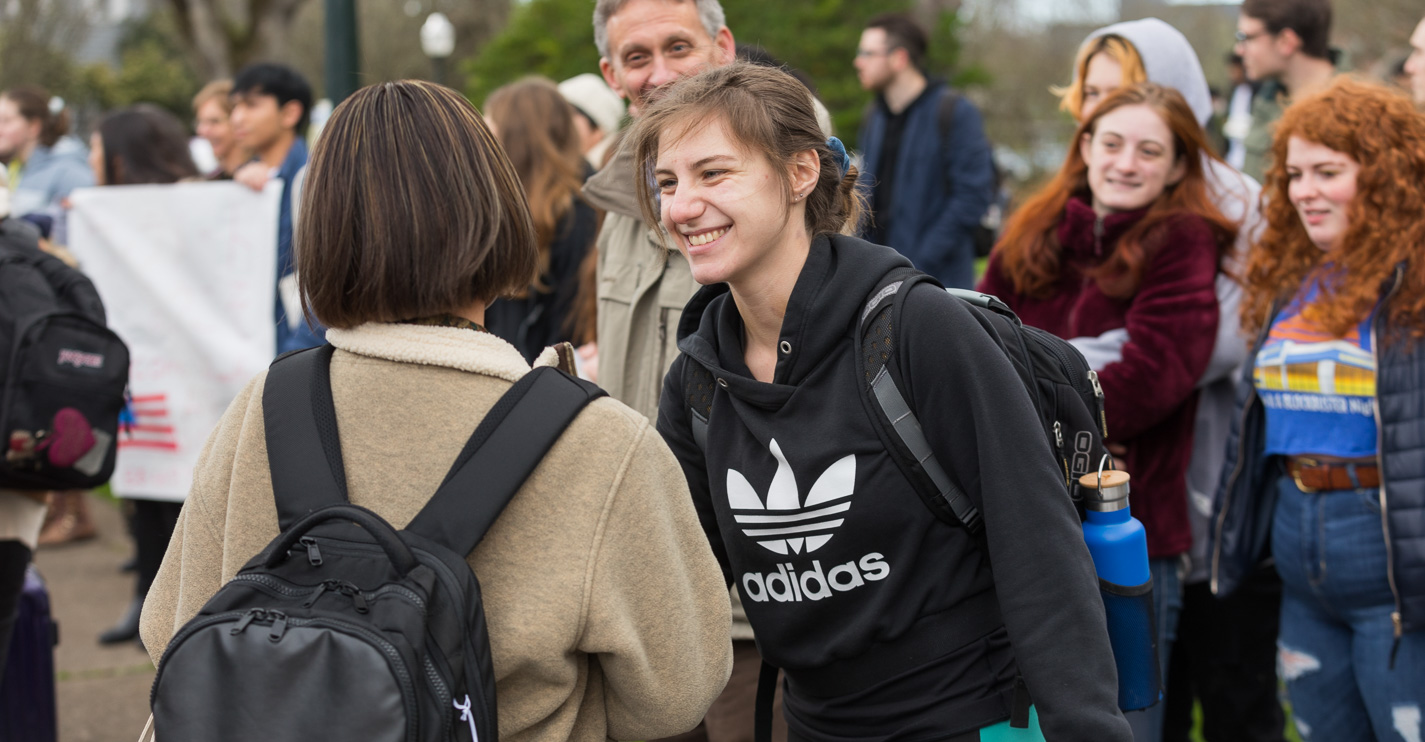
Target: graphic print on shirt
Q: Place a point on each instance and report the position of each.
(789, 525)
(1319, 390)
(816, 517)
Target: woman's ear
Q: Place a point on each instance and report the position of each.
(1178, 172)
(805, 169)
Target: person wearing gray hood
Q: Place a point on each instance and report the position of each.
(1235, 677)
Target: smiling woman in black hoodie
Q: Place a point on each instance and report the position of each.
(887, 621)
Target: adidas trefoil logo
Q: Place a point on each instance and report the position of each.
(787, 521)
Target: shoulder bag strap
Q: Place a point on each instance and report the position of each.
(303, 449)
(502, 452)
(897, 416)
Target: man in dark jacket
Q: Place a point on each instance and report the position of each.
(928, 174)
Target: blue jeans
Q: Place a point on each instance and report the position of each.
(1336, 631)
(1167, 604)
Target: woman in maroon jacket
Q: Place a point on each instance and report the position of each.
(1126, 238)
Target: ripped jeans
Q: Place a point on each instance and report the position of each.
(1336, 630)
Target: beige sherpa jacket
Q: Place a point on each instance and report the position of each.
(608, 614)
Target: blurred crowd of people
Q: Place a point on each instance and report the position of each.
(1241, 269)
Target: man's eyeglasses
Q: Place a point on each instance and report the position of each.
(1243, 38)
(860, 53)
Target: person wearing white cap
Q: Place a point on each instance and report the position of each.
(600, 114)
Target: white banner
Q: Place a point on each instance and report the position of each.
(187, 273)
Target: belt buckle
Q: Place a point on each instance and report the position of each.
(1298, 464)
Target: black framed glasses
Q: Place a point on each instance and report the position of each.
(1243, 38)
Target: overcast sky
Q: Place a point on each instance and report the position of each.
(1036, 12)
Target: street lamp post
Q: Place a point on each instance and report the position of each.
(343, 60)
(438, 42)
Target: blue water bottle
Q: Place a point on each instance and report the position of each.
(1119, 546)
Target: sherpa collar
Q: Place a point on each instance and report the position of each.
(450, 347)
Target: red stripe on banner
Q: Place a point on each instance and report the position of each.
(155, 412)
(164, 445)
(151, 428)
(150, 398)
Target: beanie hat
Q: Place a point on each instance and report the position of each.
(593, 97)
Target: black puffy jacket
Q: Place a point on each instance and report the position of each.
(1242, 514)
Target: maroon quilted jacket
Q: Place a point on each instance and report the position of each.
(1150, 394)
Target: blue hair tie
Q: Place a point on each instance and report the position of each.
(838, 150)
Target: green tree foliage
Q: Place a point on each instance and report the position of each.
(555, 38)
(152, 69)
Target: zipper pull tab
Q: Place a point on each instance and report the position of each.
(1098, 399)
(314, 554)
(1059, 444)
(245, 620)
(360, 599)
(1098, 237)
(279, 627)
(317, 594)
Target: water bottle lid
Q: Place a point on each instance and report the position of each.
(1106, 490)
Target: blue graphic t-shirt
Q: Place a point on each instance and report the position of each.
(1319, 390)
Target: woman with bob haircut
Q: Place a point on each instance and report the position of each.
(1125, 238)
(1325, 472)
(886, 619)
(536, 126)
(599, 589)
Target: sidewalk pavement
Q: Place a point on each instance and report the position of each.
(102, 690)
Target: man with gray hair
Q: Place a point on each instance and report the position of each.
(642, 286)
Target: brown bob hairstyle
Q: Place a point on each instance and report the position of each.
(410, 210)
(1380, 130)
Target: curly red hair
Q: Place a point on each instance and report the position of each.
(1028, 251)
(1381, 131)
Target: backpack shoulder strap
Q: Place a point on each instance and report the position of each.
(944, 122)
(303, 449)
(945, 115)
(698, 392)
(501, 454)
(880, 321)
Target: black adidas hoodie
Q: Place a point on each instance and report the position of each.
(888, 622)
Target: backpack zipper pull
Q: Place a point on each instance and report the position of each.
(1059, 443)
(359, 598)
(1098, 400)
(279, 626)
(320, 589)
(245, 620)
(314, 554)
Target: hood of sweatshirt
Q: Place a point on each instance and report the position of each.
(612, 188)
(1168, 58)
(839, 274)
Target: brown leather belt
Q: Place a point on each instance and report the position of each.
(1315, 475)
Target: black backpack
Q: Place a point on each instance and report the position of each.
(63, 375)
(343, 627)
(1065, 392)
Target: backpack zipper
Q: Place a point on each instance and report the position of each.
(314, 554)
(360, 597)
(1063, 457)
(1098, 402)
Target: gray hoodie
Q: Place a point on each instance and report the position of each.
(1169, 59)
